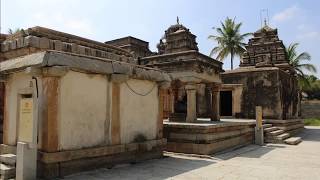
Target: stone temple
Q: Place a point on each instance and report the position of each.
(70, 104)
(267, 80)
(194, 91)
(267, 77)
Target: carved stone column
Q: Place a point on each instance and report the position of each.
(172, 100)
(161, 93)
(209, 99)
(215, 101)
(191, 103)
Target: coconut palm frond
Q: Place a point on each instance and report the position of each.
(229, 40)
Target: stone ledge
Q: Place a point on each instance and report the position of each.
(61, 169)
(207, 138)
(69, 155)
(83, 63)
(211, 148)
(275, 121)
(207, 125)
(206, 130)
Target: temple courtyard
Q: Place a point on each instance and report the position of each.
(272, 161)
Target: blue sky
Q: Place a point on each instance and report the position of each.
(102, 20)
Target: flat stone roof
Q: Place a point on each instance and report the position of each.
(81, 62)
(250, 69)
(207, 124)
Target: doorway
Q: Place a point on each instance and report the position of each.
(226, 103)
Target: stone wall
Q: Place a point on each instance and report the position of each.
(310, 109)
(259, 88)
(84, 107)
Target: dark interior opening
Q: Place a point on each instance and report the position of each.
(181, 105)
(226, 103)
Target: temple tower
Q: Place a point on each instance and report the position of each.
(265, 49)
(177, 38)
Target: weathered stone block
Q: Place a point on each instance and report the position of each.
(74, 48)
(5, 46)
(81, 50)
(44, 43)
(122, 68)
(13, 44)
(20, 42)
(57, 45)
(32, 41)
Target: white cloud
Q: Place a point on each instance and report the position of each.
(286, 14)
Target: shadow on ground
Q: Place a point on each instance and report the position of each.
(311, 133)
(159, 168)
(250, 151)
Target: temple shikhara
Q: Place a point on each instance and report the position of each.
(71, 104)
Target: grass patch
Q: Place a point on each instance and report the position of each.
(312, 122)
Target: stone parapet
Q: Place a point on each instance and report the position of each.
(46, 39)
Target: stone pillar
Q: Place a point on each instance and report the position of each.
(161, 93)
(259, 138)
(172, 99)
(5, 121)
(209, 100)
(49, 109)
(26, 167)
(215, 101)
(116, 79)
(191, 103)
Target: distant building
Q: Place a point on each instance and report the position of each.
(138, 47)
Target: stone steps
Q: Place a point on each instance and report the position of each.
(279, 135)
(8, 159)
(275, 133)
(7, 166)
(293, 140)
(7, 172)
(266, 126)
(270, 129)
(283, 136)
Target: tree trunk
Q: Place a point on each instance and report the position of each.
(232, 60)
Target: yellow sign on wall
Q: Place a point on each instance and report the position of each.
(26, 120)
(259, 116)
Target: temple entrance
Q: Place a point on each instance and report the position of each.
(226, 103)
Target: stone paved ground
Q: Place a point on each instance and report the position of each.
(272, 161)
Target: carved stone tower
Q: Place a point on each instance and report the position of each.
(265, 49)
(177, 38)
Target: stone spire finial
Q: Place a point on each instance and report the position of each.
(178, 21)
(265, 21)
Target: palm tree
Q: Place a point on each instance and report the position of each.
(230, 41)
(297, 62)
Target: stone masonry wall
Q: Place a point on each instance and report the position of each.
(259, 88)
(310, 109)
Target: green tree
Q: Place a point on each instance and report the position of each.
(11, 31)
(298, 62)
(313, 88)
(230, 40)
